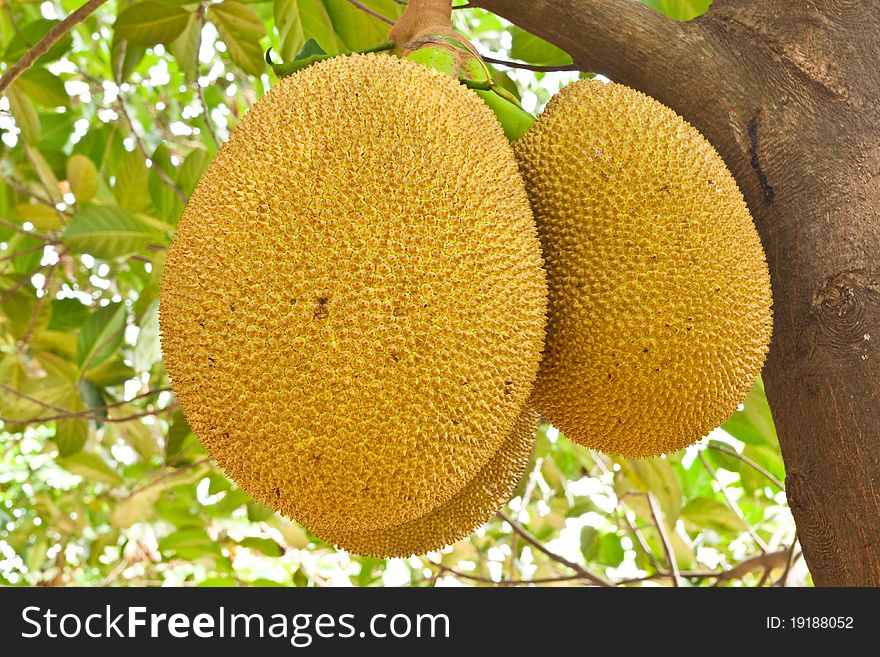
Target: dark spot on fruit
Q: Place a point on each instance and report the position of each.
(321, 308)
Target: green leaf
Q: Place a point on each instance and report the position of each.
(90, 466)
(71, 435)
(56, 128)
(289, 27)
(650, 475)
(139, 436)
(41, 216)
(258, 512)
(722, 459)
(192, 169)
(682, 10)
(131, 54)
(101, 335)
(108, 232)
(185, 48)
(67, 314)
(590, 542)
(43, 87)
(708, 513)
(217, 582)
(190, 543)
(356, 29)
(147, 349)
(82, 175)
(611, 552)
(754, 424)
(131, 189)
(265, 545)
(164, 197)
(44, 172)
(529, 48)
(24, 113)
(179, 435)
(148, 23)
(29, 34)
(317, 25)
(110, 373)
(241, 30)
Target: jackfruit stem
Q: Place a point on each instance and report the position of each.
(419, 17)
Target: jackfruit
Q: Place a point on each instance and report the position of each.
(352, 310)
(472, 506)
(659, 316)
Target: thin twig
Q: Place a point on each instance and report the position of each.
(8, 292)
(789, 562)
(504, 582)
(18, 254)
(199, 91)
(21, 189)
(528, 67)
(733, 506)
(664, 539)
(23, 231)
(767, 560)
(38, 306)
(370, 12)
(23, 395)
(90, 413)
(43, 45)
(745, 459)
(143, 149)
(97, 350)
(534, 542)
(643, 543)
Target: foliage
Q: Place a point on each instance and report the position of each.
(101, 479)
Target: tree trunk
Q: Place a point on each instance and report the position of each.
(789, 94)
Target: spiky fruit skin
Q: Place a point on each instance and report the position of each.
(660, 309)
(353, 307)
(472, 506)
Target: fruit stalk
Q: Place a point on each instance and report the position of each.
(419, 17)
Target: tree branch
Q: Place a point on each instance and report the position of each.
(529, 67)
(44, 44)
(732, 505)
(370, 12)
(143, 149)
(745, 459)
(664, 539)
(535, 543)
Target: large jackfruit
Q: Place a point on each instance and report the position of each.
(353, 307)
(472, 506)
(660, 309)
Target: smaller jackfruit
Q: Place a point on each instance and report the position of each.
(659, 313)
(471, 507)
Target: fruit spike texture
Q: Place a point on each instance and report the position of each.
(660, 311)
(472, 506)
(353, 308)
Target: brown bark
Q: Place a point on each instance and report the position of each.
(789, 94)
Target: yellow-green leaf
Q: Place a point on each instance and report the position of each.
(40, 215)
(108, 232)
(43, 87)
(150, 22)
(82, 175)
(25, 115)
(241, 30)
(91, 467)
